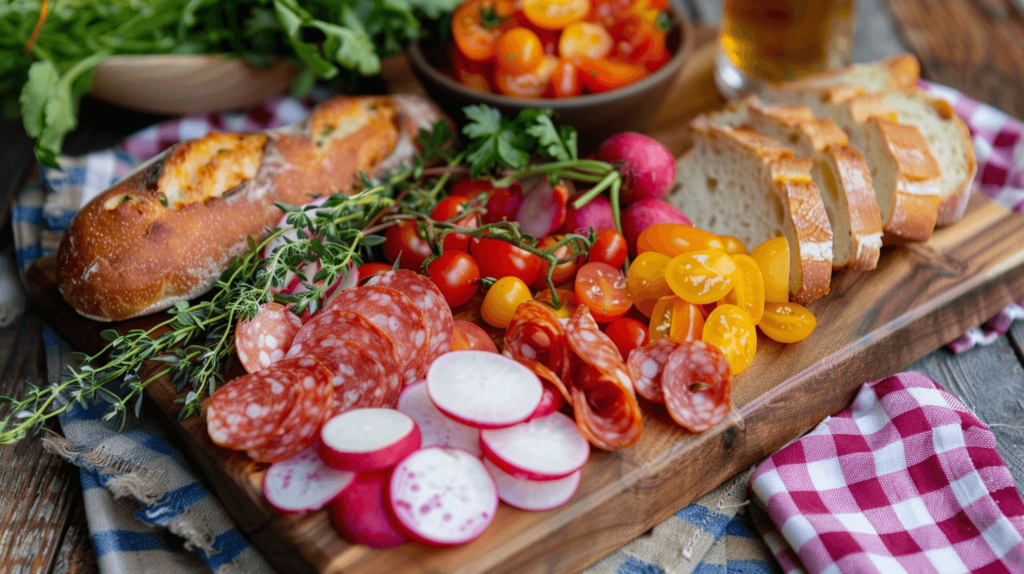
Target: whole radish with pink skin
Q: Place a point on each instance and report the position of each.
(648, 169)
(648, 212)
(360, 515)
(596, 213)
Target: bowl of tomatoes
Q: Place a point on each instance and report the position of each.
(603, 66)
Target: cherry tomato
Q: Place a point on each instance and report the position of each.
(470, 188)
(555, 14)
(474, 40)
(404, 243)
(499, 259)
(675, 239)
(504, 203)
(609, 247)
(564, 271)
(548, 39)
(531, 84)
(636, 39)
(676, 319)
(602, 288)
(729, 328)
(772, 257)
(502, 299)
(470, 73)
(448, 209)
(584, 39)
(604, 11)
(646, 281)
(457, 275)
(566, 298)
(787, 322)
(748, 293)
(471, 337)
(732, 245)
(367, 270)
(565, 81)
(518, 51)
(627, 334)
(701, 277)
(604, 75)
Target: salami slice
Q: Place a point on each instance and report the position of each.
(606, 412)
(536, 335)
(267, 337)
(308, 412)
(698, 385)
(437, 316)
(247, 412)
(645, 365)
(397, 317)
(593, 347)
(358, 379)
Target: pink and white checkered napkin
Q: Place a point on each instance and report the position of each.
(905, 480)
(999, 149)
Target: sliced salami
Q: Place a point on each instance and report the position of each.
(593, 347)
(606, 411)
(396, 316)
(437, 316)
(645, 366)
(247, 412)
(308, 412)
(698, 385)
(266, 337)
(536, 335)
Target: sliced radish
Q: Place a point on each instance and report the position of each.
(442, 496)
(483, 389)
(359, 513)
(304, 483)
(368, 439)
(435, 428)
(551, 401)
(543, 209)
(533, 494)
(541, 449)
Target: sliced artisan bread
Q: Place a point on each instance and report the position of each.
(737, 182)
(896, 73)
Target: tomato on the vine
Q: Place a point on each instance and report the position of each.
(456, 275)
(518, 51)
(448, 209)
(502, 299)
(602, 288)
(367, 270)
(470, 188)
(609, 247)
(468, 336)
(498, 259)
(564, 271)
(627, 334)
(555, 14)
(404, 243)
(567, 302)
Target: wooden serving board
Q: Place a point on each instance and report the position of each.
(872, 324)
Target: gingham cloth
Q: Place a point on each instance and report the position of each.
(907, 479)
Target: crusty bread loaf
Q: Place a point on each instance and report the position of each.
(166, 231)
(737, 182)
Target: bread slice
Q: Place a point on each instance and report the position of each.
(896, 73)
(737, 182)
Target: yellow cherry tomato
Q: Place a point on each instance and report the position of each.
(676, 319)
(732, 245)
(555, 14)
(502, 299)
(787, 322)
(646, 282)
(701, 277)
(675, 238)
(729, 328)
(748, 293)
(772, 257)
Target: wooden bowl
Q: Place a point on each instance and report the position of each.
(595, 116)
(181, 85)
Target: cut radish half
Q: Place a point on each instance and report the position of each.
(304, 483)
(435, 428)
(533, 494)
(442, 496)
(368, 439)
(360, 515)
(550, 401)
(483, 389)
(541, 449)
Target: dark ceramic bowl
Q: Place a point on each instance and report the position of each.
(595, 116)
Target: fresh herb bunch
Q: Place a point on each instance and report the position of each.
(48, 48)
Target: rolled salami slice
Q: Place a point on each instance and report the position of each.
(437, 316)
(697, 383)
(593, 347)
(267, 337)
(645, 365)
(536, 335)
(309, 411)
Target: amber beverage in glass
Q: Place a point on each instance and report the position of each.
(768, 41)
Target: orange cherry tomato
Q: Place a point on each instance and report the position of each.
(604, 75)
(555, 14)
(529, 85)
(701, 277)
(367, 270)
(565, 81)
(564, 271)
(627, 334)
(732, 245)
(518, 51)
(584, 39)
(748, 293)
(448, 209)
(602, 288)
(772, 257)
(502, 299)
(609, 247)
(471, 337)
(787, 322)
(646, 281)
(729, 328)
(567, 299)
(676, 319)
(404, 243)
(674, 239)
(474, 39)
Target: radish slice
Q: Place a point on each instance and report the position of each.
(550, 401)
(483, 389)
(533, 494)
(442, 496)
(435, 428)
(368, 439)
(304, 483)
(359, 513)
(543, 209)
(541, 449)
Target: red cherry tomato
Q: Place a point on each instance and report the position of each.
(609, 247)
(457, 275)
(503, 204)
(627, 334)
(518, 51)
(602, 288)
(405, 240)
(637, 40)
(564, 271)
(499, 259)
(471, 188)
(471, 337)
(367, 270)
(565, 81)
(604, 75)
(604, 11)
(448, 209)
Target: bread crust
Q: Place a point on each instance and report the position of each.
(918, 179)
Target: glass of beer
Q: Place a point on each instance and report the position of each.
(769, 41)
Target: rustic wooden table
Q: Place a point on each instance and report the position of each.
(976, 46)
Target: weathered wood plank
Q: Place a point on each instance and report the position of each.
(76, 554)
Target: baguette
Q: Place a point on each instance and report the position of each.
(167, 231)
